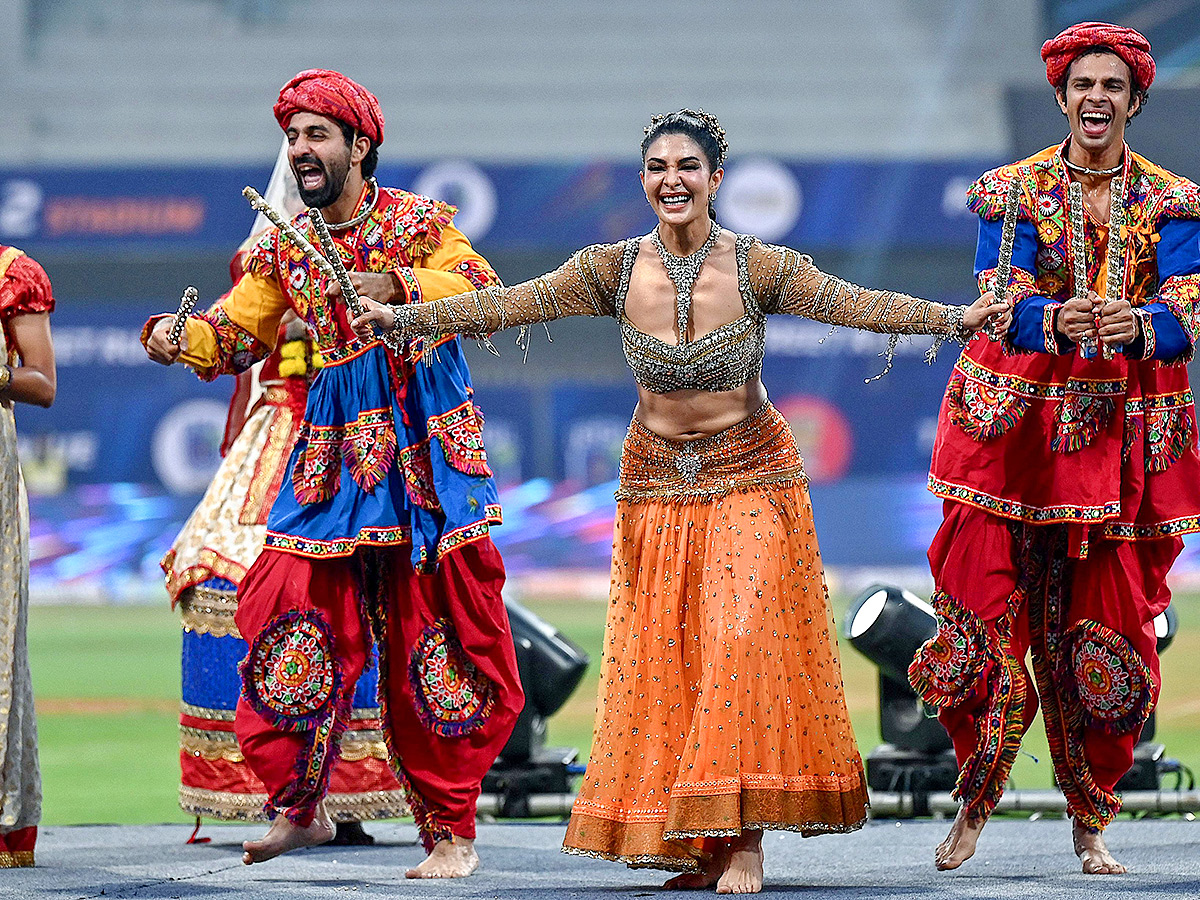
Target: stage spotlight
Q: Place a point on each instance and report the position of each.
(551, 667)
(1166, 623)
(888, 625)
(558, 664)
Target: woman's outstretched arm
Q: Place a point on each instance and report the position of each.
(786, 281)
(585, 285)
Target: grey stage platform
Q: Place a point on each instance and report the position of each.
(1017, 858)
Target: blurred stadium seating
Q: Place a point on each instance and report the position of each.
(173, 80)
(130, 127)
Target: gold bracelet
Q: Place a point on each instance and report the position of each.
(6, 374)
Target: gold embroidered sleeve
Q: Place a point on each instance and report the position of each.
(787, 282)
(585, 285)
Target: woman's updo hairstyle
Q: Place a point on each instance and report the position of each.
(701, 127)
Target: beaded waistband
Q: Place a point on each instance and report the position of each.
(758, 450)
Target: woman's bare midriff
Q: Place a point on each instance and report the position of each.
(685, 415)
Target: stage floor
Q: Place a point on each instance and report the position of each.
(1017, 858)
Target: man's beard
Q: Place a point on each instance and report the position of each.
(328, 193)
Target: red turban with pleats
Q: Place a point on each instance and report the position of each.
(1128, 44)
(329, 93)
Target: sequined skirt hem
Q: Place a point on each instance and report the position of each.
(673, 846)
(649, 861)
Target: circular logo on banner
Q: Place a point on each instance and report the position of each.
(464, 185)
(822, 434)
(760, 197)
(186, 447)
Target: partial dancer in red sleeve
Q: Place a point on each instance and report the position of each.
(1066, 455)
(26, 376)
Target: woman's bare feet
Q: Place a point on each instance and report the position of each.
(705, 878)
(959, 845)
(283, 836)
(1093, 852)
(449, 859)
(744, 869)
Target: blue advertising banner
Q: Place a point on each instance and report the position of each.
(121, 418)
(509, 206)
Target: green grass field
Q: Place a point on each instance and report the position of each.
(107, 686)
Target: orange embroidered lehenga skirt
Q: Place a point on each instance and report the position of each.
(721, 705)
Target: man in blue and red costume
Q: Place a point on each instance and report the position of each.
(1066, 453)
(382, 529)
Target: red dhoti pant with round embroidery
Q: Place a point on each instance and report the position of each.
(449, 689)
(1082, 611)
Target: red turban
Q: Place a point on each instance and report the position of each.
(329, 93)
(1128, 44)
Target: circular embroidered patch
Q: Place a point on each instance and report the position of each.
(290, 677)
(1047, 205)
(949, 667)
(451, 695)
(1114, 687)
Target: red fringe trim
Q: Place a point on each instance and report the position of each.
(1169, 435)
(370, 446)
(1081, 417)
(981, 411)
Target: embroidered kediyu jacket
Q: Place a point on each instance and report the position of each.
(1032, 430)
(390, 451)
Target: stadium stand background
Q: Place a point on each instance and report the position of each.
(890, 107)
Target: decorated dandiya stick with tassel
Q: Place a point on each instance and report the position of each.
(186, 304)
(330, 252)
(1087, 347)
(329, 264)
(1114, 288)
(1008, 237)
(290, 231)
(339, 268)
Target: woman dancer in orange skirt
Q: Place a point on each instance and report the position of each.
(721, 711)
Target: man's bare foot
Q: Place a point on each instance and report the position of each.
(744, 869)
(449, 859)
(1093, 852)
(959, 845)
(283, 836)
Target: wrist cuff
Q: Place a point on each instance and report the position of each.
(410, 287)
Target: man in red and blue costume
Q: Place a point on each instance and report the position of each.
(1066, 453)
(381, 531)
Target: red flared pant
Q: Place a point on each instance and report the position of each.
(449, 688)
(1084, 616)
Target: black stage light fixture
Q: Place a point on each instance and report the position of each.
(551, 667)
(888, 625)
(1150, 761)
